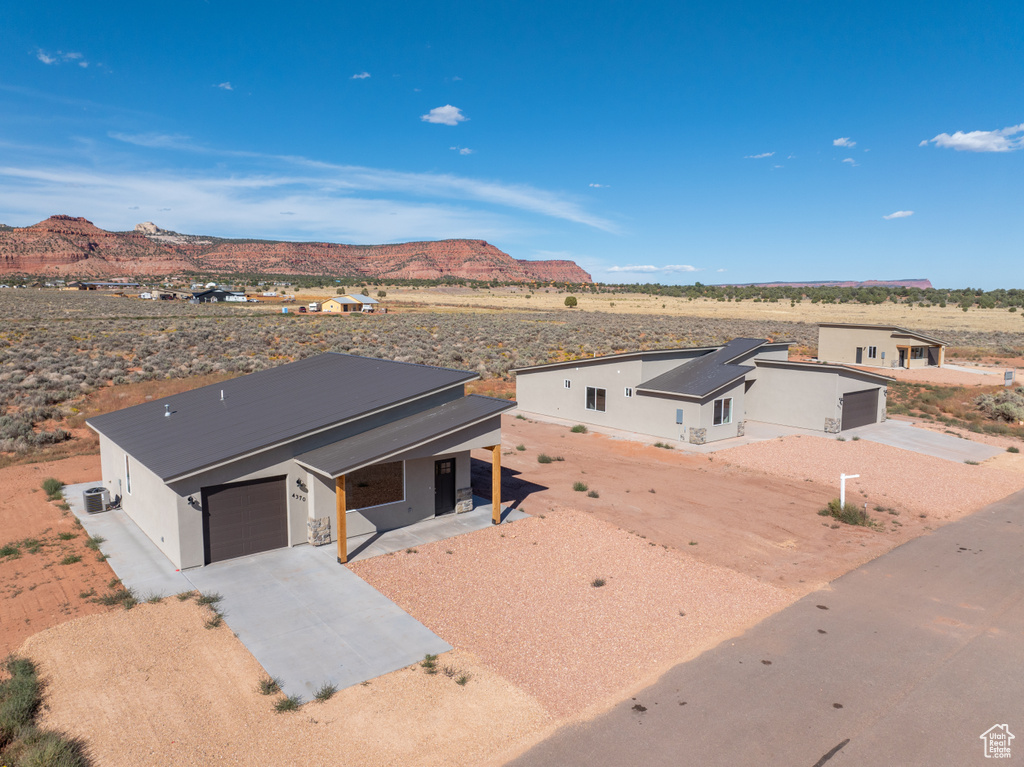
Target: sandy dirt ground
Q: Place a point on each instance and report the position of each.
(151, 686)
(522, 598)
(909, 483)
(741, 506)
(36, 590)
(987, 375)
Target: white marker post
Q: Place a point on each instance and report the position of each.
(842, 488)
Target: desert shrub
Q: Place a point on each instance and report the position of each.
(570, 301)
(848, 514)
(544, 458)
(1012, 449)
(579, 429)
(1007, 405)
(53, 487)
(579, 487)
(20, 698)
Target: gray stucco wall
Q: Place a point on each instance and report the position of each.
(840, 345)
(804, 397)
(543, 392)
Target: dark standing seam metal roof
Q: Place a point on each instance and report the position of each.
(264, 409)
(391, 439)
(706, 374)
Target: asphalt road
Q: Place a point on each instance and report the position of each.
(904, 661)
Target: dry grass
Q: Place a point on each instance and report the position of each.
(550, 299)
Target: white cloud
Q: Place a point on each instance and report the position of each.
(462, 150)
(599, 186)
(446, 115)
(154, 140)
(851, 161)
(60, 57)
(456, 79)
(758, 156)
(720, 270)
(650, 269)
(844, 142)
(899, 214)
(225, 86)
(361, 76)
(981, 140)
(263, 185)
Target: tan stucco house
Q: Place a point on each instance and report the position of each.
(315, 451)
(883, 346)
(705, 394)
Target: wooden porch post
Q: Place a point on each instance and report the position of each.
(496, 485)
(341, 531)
(942, 355)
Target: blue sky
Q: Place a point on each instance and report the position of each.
(667, 142)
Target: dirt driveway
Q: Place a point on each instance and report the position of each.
(752, 508)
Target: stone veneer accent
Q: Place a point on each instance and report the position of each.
(832, 425)
(318, 531)
(698, 436)
(463, 500)
(741, 428)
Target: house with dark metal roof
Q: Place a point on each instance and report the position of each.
(315, 451)
(882, 346)
(704, 394)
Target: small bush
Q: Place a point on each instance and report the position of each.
(46, 748)
(664, 446)
(1012, 449)
(848, 514)
(67, 536)
(597, 582)
(462, 680)
(53, 487)
(214, 620)
(93, 542)
(209, 599)
(544, 458)
(10, 550)
(20, 697)
(326, 692)
(971, 463)
(579, 429)
(288, 703)
(269, 685)
(579, 487)
(71, 559)
(520, 448)
(184, 595)
(593, 494)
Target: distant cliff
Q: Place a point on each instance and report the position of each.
(63, 245)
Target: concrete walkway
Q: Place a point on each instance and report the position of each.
(906, 661)
(305, 618)
(904, 435)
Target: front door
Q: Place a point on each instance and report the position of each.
(444, 486)
(903, 358)
(860, 355)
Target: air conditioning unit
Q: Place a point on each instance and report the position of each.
(96, 499)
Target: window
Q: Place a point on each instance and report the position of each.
(679, 416)
(872, 352)
(629, 391)
(127, 475)
(567, 383)
(595, 399)
(917, 352)
(723, 411)
(375, 485)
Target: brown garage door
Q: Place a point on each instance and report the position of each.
(244, 518)
(860, 408)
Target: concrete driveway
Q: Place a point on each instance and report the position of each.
(304, 617)
(907, 661)
(903, 434)
(309, 620)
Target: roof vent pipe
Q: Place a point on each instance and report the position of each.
(167, 411)
(221, 395)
